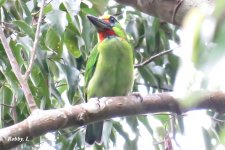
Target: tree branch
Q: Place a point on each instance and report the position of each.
(153, 58)
(9, 106)
(16, 69)
(172, 11)
(36, 39)
(179, 2)
(43, 121)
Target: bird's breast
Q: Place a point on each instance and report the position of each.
(113, 75)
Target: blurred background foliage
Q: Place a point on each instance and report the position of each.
(57, 78)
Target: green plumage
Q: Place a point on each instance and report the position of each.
(109, 72)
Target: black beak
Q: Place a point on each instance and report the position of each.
(99, 24)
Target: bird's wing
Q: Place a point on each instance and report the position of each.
(91, 65)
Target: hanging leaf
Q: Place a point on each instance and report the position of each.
(71, 75)
(57, 19)
(53, 41)
(24, 27)
(2, 2)
(70, 41)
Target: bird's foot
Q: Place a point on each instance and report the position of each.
(95, 100)
(137, 95)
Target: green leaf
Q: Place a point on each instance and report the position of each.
(48, 8)
(7, 95)
(34, 76)
(129, 144)
(106, 132)
(73, 24)
(53, 40)
(71, 75)
(70, 41)
(207, 138)
(136, 29)
(99, 5)
(11, 11)
(2, 2)
(42, 90)
(84, 7)
(11, 79)
(77, 142)
(42, 61)
(72, 7)
(16, 48)
(87, 33)
(147, 75)
(219, 8)
(57, 19)
(27, 12)
(133, 122)
(113, 137)
(56, 93)
(144, 121)
(172, 66)
(18, 7)
(120, 130)
(24, 27)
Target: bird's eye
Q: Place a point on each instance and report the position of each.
(112, 19)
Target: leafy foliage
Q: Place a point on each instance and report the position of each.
(57, 78)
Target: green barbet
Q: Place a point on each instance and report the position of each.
(109, 69)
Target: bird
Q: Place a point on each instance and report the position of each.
(109, 68)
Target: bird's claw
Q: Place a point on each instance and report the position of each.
(137, 95)
(95, 100)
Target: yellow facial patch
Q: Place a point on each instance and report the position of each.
(105, 17)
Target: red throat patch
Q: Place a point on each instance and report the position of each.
(104, 34)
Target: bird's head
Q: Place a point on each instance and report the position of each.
(107, 26)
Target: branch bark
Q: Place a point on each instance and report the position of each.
(43, 121)
(36, 39)
(16, 69)
(172, 11)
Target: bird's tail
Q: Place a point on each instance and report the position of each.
(94, 133)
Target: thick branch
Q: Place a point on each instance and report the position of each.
(16, 69)
(172, 11)
(45, 121)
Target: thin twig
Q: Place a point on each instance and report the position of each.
(218, 120)
(33, 50)
(7, 24)
(61, 85)
(5, 105)
(16, 69)
(153, 58)
(179, 2)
